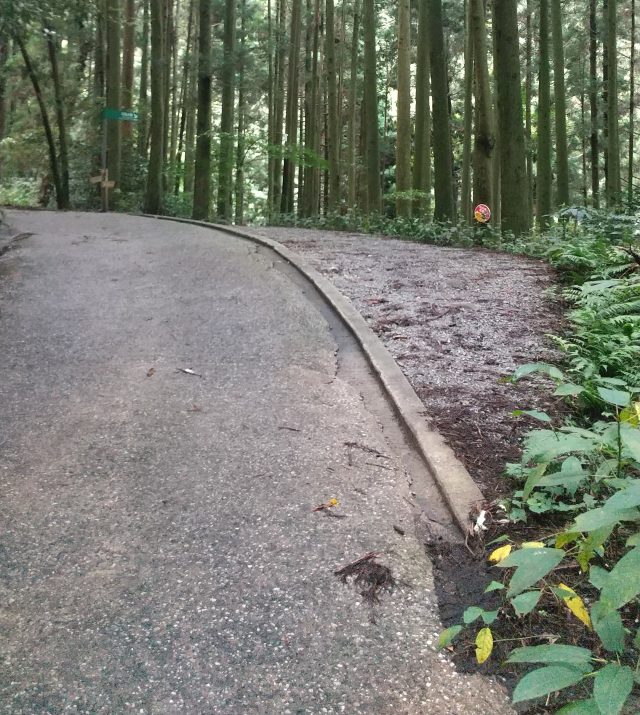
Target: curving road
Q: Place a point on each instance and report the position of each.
(158, 552)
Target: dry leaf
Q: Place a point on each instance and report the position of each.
(576, 605)
(495, 557)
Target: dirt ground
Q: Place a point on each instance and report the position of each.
(457, 322)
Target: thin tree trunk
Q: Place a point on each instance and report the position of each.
(225, 161)
(278, 108)
(128, 53)
(583, 133)
(370, 107)
(422, 158)
(185, 99)
(270, 119)
(4, 54)
(543, 177)
(202, 177)
(311, 191)
(192, 98)
(443, 162)
(467, 133)
(353, 99)
(485, 139)
(175, 105)
(632, 104)
(143, 104)
(613, 173)
(113, 26)
(291, 119)
(239, 190)
(333, 136)
(513, 169)
(559, 93)
(64, 201)
(593, 102)
(99, 65)
(153, 199)
(528, 100)
(46, 124)
(403, 121)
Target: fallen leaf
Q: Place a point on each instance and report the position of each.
(327, 505)
(495, 557)
(151, 371)
(576, 605)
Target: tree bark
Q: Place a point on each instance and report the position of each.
(467, 132)
(114, 77)
(485, 139)
(442, 157)
(543, 177)
(202, 177)
(513, 170)
(528, 100)
(593, 102)
(632, 104)
(4, 54)
(562, 153)
(311, 190)
(240, 149)
(422, 158)
(153, 198)
(278, 109)
(613, 141)
(333, 134)
(143, 101)
(352, 142)
(370, 109)
(225, 160)
(403, 125)
(64, 201)
(190, 124)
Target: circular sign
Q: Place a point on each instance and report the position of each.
(482, 213)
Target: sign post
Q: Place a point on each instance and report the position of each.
(117, 115)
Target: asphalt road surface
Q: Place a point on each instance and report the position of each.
(158, 548)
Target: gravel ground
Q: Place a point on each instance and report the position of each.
(456, 321)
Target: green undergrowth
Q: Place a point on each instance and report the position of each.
(564, 606)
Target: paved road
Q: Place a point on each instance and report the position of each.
(158, 552)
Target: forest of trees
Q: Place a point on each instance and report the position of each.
(256, 109)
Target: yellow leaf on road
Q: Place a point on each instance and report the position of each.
(499, 554)
(576, 605)
(484, 645)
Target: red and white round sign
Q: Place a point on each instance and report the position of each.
(482, 213)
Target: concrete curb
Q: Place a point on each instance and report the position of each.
(458, 489)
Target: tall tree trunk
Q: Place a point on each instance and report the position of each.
(185, 98)
(467, 132)
(442, 157)
(528, 100)
(143, 102)
(175, 105)
(485, 139)
(278, 108)
(543, 177)
(559, 93)
(632, 104)
(46, 124)
(128, 53)
(190, 123)
(271, 118)
(153, 199)
(168, 56)
(291, 119)
(100, 60)
(613, 141)
(4, 54)
(225, 161)
(513, 170)
(583, 133)
(311, 190)
(333, 136)
(605, 94)
(422, 158)
(353, 100)
(239, 189)
(64, 201)
(403, 125)
(370, 109)
(113, 25)
(202, 178)
(593, 102)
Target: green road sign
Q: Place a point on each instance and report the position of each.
(120, 115)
